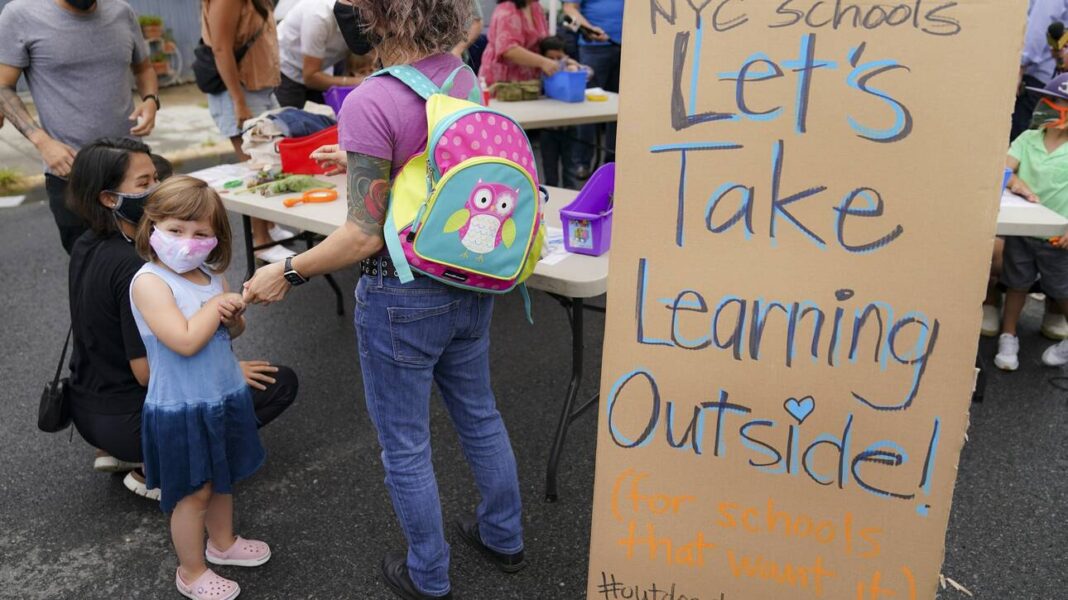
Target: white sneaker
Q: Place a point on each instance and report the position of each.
(1008, 349)
(280, 234)
(1056, 355)
(110, 464)
(991, 321)
(138, 487)
(1054, 327)
(274, 254)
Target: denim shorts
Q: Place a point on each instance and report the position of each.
(1027, 258)
(221, 107)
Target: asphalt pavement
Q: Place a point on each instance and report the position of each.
(68, 532)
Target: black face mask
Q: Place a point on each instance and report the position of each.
(130, 207)
(81, 4)
(351, 28)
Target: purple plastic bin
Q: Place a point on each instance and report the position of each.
(587, 220)
(335, 96)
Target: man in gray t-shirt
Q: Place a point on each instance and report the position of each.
(77, 57)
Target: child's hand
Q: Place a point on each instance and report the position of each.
(1021, 189)
(1061, 242)
(231, 307)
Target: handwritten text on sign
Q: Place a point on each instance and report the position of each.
(770, 423)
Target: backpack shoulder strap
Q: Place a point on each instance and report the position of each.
(393, 245)
(474, 95)
(413, 78)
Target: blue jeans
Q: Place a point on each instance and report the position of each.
(559, 147)
(604, 60)
(409, 337)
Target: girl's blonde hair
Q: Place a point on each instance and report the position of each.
(415, 28)
(187, 199)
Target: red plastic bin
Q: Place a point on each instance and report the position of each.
(294, 152)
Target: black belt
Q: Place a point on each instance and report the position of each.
(379, 265)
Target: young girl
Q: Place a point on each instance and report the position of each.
(198, 425)
(1039, 160)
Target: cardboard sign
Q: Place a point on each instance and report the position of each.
(806, 207)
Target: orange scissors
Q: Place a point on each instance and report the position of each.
(312, 196)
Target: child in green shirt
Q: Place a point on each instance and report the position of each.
(1039, 160)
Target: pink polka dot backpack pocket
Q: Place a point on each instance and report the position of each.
(466, 211)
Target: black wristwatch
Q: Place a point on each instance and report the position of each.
(155, 98)
(291, 274)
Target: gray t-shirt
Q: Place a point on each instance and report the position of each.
(77, 66)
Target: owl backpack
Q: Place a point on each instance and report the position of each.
(467, 210)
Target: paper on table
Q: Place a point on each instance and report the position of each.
(553, 251)
(218, 175)
(1014, 201)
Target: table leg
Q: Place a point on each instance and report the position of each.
(980, 379)
(250, 250)
(309, 242)
(576, 308)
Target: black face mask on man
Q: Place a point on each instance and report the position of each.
(81, 4)
(130, 207)
(352, 28)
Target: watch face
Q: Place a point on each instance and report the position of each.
(293, 278)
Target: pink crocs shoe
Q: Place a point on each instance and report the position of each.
(208, 586)
(244, 553)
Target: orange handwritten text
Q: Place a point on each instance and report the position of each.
(785, 574)
(657, 504)
(876, 589)
(864, 542)
(664, 548)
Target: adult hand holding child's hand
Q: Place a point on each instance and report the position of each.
(267, 285)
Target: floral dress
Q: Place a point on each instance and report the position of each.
(511, 27)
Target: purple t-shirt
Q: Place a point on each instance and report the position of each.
(384, 118)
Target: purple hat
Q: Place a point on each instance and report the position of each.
(1056, 88)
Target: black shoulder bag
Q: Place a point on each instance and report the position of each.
(207, 75)
(53, 413)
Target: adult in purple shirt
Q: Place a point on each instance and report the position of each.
(411, 336)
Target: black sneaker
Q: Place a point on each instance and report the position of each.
(395, 572)
(509, 563)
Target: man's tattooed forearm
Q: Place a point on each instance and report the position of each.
(14, 110)
(368, 190)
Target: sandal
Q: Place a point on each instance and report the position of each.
(208, 586)
(244, 553)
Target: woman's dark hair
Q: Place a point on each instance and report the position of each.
(99, 167)
(164, 168)
(518, 3)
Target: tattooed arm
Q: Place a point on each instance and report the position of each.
(359, 237)
(58, 156)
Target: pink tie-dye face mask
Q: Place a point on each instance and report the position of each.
(181, 254)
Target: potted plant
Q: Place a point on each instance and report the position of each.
(161, 63)
(168, 42)
(151, 26)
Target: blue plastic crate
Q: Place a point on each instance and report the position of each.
(567, 86)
